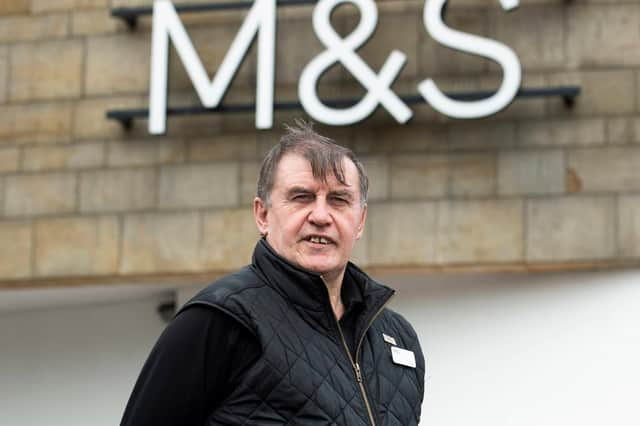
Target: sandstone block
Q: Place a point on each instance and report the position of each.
(27, 28)
(609, 92)
(38, 6)
(535, 33)
(228, 239)
(9, 159)
(118, 64)
(4, 73)
(472, 174)
(399, 139)
(77, 246)
(48, 70)
(242, 146)
(418, 176)
(531, 172)
(481, 135)
(142, 152)
(90, 22)
(401, 234)
(586, 131)
(377, 170)
(91, 123)
(606, 169)
(603, 35)
(629, 225)
(479, 231)
(77, 156)
(15, 249)
(249, 172)
(35, 123)
(202, 185)
(117, 190)
(8, 7)
(29, 195)
(154, 243)
(623, 130)
(570, 229)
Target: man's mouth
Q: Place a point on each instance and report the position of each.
(319, 240)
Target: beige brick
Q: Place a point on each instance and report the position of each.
(9, 159)
(437, 59)
(90, 22)
(118, 64)
(90, 121)
(249, 172)
(602, 35)
(606, 169)
(4, 73)
(472, 174)
(629, 225)
(15, 250)
(535, 33)
(8, 7)
(399, 139)
(27, 28)
(141, 152)
(38, 6)
(479, 231)
(214, 185)
(605, 92)
(588, 131)
(161, 243)
(48, 70)
(481, 135)
(570, 229)
(35, 123)
(377, 170)
(77, 156)
(521, 108)
(224, 147)
(401, 233)
(117, 190)
(28, 195)
(531, 172)
(228, 238)
(419, 175)
(623, 130)
(77, 246)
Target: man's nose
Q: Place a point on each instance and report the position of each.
(320, 215)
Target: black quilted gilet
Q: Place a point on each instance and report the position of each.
(305, 375)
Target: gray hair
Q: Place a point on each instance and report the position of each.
(323, 154)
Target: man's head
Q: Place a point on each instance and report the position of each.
(311, 201)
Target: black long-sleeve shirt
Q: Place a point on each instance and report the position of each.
(199, 359)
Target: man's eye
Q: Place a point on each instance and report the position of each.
(301, 197)
(340, 201)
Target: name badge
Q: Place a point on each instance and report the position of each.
(389, 339)
(403, 357)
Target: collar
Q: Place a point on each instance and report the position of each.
(307, 293)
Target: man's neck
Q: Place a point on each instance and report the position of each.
(334, 286)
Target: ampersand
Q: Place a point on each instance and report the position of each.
(344, 51)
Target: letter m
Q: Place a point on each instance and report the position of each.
(167, 25)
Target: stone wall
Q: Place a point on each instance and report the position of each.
(536, 186)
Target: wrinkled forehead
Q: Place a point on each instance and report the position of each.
(296, 169)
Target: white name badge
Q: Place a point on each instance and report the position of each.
(403, 357)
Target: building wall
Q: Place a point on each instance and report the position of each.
(538, 185)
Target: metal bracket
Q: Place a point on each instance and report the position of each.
(126, 116)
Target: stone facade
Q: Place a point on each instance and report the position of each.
(536, 186)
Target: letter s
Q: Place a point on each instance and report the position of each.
(476, 45)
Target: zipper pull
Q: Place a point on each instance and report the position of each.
(358, 374)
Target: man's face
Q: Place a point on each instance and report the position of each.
(311, 223)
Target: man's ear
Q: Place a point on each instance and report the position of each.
(362, 220)
(260, 215)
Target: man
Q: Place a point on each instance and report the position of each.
(301, 336)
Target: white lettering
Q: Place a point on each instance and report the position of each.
(167, 25)
(343, 50)
(476, 45)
